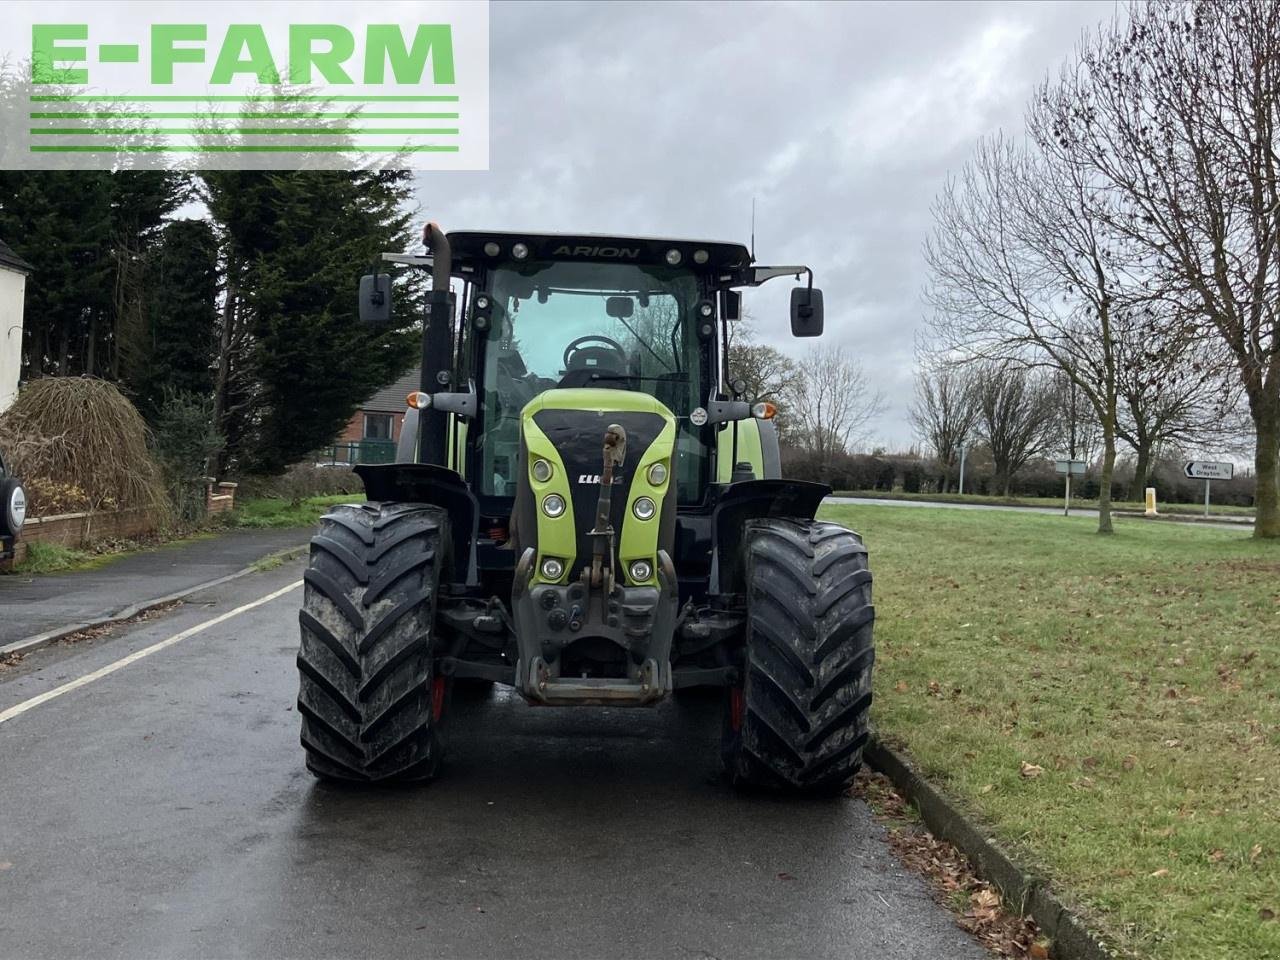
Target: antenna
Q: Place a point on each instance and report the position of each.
(753, 229)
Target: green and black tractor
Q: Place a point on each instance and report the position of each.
(585, 507)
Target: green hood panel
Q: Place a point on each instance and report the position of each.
(566, 428)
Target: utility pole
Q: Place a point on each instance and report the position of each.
(962, 450)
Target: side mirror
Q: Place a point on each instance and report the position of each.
(731, 304)
(375, 299)
(806, 312)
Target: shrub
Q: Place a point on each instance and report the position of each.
(79, 437)
(184, 440)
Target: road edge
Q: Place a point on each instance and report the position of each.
(39, 640)
(1072, 940)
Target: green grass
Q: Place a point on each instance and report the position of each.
(1181, 509)
(55, 558)
(1140, 671)
(274, 512)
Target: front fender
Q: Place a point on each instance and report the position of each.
(439, 486)
(750, 500)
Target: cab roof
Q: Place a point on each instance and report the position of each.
(469, 245)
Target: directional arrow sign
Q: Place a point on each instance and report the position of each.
(1208, 470)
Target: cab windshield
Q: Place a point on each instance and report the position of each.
(615, 326)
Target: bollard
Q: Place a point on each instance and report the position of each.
(1151, 502)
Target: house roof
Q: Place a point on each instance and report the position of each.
(391, 398)
(11, 260)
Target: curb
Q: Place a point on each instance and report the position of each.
(1072, 940)
(53, 636)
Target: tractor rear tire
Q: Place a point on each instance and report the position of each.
(798, 722)
(369, 702)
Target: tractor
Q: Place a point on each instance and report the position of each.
(585, 506)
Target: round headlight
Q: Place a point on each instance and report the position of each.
(674, 257)
(644, 508)
(698, 417)
(482, 302)
(706, 309)
(658, 474)
(491, 249)
(641, 570)
(542, 470)
(553, 505)
(552, 569)
(701, 256)
(519, 251)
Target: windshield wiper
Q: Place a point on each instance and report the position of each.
(636, 376)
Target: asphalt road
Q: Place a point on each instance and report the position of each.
(160, 808)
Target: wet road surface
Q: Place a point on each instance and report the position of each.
(163, 810)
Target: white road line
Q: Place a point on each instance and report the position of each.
(88, 678)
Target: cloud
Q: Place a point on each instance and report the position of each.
(842, 120)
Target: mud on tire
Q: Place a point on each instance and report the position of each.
(798, 722)
(369, 704)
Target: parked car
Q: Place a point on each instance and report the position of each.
(13, 510)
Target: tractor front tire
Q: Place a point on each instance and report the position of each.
(369, 702)
(798, 721)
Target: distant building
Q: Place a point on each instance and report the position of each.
(372, 433)
(13, 293)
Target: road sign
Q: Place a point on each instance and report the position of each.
(1072, 468)
(1208, 470)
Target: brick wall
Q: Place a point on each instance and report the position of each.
(81, 529)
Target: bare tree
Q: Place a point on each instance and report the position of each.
(945, 410)
(1017, 414)
(1076, 430)
(829, 403)
(1176, 390)
(1177, 111)
(1025, 272)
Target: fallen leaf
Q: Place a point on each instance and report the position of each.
(5, 865)
(1029, 771)
(935, 688)
(1038, 951)
(1266, 914)
(1216, 856)
(1162, 872)
(1129, 762)
(1255, 852)
(1172, 743)
(987, 788)
(987, 899)
(1171, 694)
(1089, 762)
(785, 876)
(901, 686)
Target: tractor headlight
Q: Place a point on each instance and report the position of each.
(552, 569)
(553, 505)
(640, 570)
(491, 249)
(644, 509)
(674, 257)
(520, 251)
(542, 470)
(658, 474)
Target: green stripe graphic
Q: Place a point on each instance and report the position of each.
(223, 98)
(145, 115)
(249, 131)
(237, 148)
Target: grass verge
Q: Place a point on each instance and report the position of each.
(1179, 509)
(267, 512)
(1109, 706)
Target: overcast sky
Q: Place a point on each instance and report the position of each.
(842, 119)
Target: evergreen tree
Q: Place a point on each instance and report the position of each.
(175, 353)
(294, 361)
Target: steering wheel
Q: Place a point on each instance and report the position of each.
(579, 357)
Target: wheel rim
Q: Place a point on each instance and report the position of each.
(437, 698)
(736, 708)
